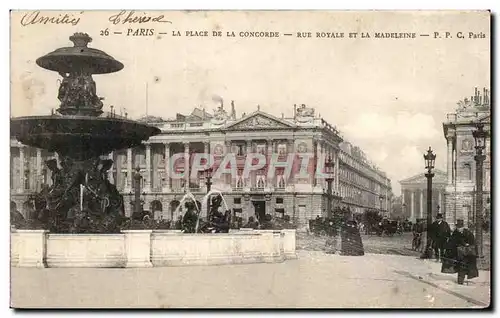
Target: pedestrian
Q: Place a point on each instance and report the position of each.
(461, 254)
(352, 244)
(331, 239)
(440, 233)
(417, 235)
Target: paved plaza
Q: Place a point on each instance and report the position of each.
(314, 280)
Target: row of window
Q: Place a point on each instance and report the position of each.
(360, 180)
(359, 196)
(279, 200)
(361, 167)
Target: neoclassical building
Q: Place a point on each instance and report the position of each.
(357, 183)
(414, 195)
(461, 166)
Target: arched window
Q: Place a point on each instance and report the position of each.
(281, 182)
(27, 180)
(239, 182)
(260, 182)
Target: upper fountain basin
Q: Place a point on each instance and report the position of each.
(74, 59)
(80, 137)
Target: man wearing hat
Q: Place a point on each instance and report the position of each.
(440, 234)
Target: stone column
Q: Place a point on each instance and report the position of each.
(270, 151)
(421, 203)
(128, 183)
(186, 166)
(290, 150)
(450, 160)
(110, 171)
(440, 201)
(39, 177)
(250, 182)
(412, 206)
(403, 202)
(147, 181)
(316, 181)
(249, 146)
(166, 185)
(337, 171)
(21, 169)
(206, 150)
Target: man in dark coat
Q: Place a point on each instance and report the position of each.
(439, 234)
(16, 218)
(461, 254)
(352, 245)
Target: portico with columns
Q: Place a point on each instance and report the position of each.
(414, 195)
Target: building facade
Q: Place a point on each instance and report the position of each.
(461, 166)
(414, 195)
(356, 183)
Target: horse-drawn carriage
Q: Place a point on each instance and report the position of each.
(322, 226)
(388, 227)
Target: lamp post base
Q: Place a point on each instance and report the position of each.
(427, 254)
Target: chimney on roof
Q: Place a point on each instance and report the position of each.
(233, 110)
(282, 115)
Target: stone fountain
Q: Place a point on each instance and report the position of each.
(80, 197)
(82, 200)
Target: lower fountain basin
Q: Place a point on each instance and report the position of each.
(81, 137)
(147, 248)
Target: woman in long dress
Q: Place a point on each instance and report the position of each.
(352, 244)
(461, 254)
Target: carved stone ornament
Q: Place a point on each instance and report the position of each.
(304, 114)
(218, 150)
(302, 147)
(465, 109)
(220, 116)
(466, 145)
(259, 121)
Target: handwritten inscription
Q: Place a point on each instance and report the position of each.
(130, 17)
(36, 17)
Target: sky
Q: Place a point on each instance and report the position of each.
(387, 96)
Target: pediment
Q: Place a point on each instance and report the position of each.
(439, 177)
(259, 120)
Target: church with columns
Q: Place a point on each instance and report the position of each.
(461, 165)
(357, 182)
(414, 195)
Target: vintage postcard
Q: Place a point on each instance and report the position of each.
(250, 159)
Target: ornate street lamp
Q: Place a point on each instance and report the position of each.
(208, 182)
(329, 165)
(137, 191)
(429, 158)
(480, 139)
(208, 179)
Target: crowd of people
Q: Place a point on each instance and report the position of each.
(456, 250)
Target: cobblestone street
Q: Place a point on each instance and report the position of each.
(314, 280)
(395, 245)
